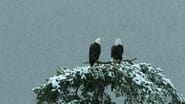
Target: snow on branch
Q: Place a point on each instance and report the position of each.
(135, 83)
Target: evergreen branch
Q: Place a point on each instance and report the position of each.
(136, 83)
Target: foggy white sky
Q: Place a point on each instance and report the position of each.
(36, 36)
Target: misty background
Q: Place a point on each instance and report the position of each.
(37, 36)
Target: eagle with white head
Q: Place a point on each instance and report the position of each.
(94, 51)
(117, 50)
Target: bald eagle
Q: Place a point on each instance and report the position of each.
(117, 50)
(94, 51)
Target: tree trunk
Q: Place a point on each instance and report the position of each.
(98, 93)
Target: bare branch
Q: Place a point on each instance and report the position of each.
(110, 62)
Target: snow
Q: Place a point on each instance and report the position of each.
(139, 78)
(55, 80)
(35, 88)
(110, 74)
(83, 76)
(83, 69)
(167, 81)
(136, 65)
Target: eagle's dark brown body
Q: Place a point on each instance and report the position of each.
(117, 52)
(94, 53)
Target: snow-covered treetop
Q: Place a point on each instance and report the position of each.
(135, 83)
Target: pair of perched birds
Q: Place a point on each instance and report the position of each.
(95, 50)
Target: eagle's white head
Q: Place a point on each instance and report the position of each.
(98, 40)
(118, 41)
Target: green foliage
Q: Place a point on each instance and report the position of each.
(46, 94)
(136, 84)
